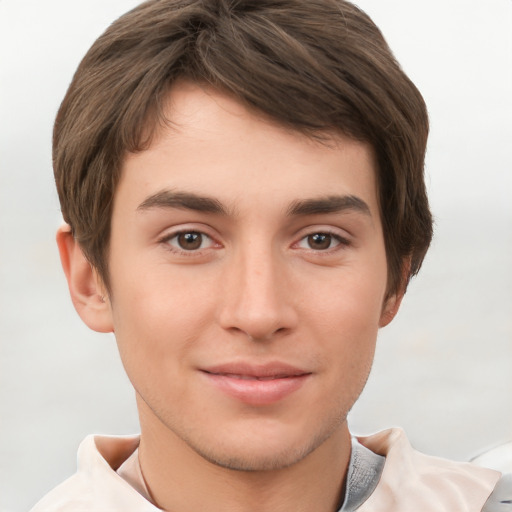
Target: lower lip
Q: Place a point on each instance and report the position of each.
(257, 392)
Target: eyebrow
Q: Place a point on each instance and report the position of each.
(329, 204)
(316, 206)
(182, 200)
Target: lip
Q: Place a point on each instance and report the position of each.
(256, 384)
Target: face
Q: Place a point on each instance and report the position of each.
(248, 276)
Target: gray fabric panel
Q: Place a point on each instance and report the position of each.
(363, 475)
(501, 498)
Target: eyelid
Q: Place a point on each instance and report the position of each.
(325, 229)
(336, 239)
(186, 227)
(204, 237)
(176, 231)
(341, 236)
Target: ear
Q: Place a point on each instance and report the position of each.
(392, 303)
(390, 308)
(85, 285)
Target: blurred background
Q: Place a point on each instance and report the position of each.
(443, 369)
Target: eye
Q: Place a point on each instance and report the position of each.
(320, 241)
(189, 241)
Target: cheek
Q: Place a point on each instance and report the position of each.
(157, 318)
(345, 317)
(349, 302)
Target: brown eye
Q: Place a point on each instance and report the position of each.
(190, 241)
(320, 241)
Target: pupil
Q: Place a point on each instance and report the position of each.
(190, 241)
(319, 241)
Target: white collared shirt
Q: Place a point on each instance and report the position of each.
(409, 481)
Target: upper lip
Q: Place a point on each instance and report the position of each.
(274, 370)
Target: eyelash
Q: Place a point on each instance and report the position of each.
(181, 251)
(341, 242)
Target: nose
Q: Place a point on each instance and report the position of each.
(257, 300)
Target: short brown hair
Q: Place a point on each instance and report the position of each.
(315, 66)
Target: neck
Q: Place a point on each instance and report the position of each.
(179, 479)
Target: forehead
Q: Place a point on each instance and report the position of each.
(212, 144)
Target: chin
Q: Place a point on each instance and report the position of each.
(265, 451)
(254, 460)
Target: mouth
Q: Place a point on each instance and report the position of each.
(256, 384)
(254, 377)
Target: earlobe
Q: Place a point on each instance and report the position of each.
(390, 309)
(85, 286)
(392, 303)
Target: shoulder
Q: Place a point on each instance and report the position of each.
(71, 495)
(414, 481)
(501, 498)
(500, 458)
(96, 485)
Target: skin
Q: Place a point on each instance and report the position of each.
(281, 262)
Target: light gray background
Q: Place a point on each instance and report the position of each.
(443, 368)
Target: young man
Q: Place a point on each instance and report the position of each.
(242, 183)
